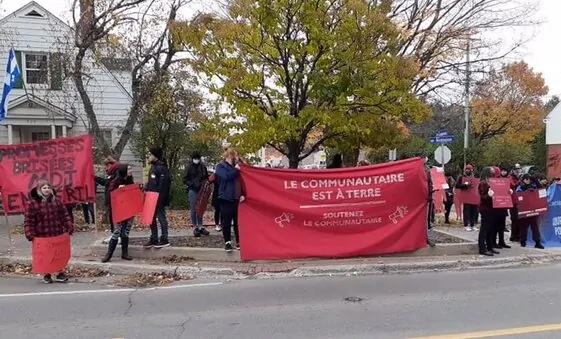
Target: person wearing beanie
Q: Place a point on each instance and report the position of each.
(470, 211)
(159, 181)
(527, 184)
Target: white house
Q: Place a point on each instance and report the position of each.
(553, 142)
(45, 103)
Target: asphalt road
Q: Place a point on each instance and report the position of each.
(525, 302)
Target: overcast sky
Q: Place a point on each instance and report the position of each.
(540, 52)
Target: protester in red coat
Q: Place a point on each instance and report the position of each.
(46, 217)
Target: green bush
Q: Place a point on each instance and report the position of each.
(178, 194)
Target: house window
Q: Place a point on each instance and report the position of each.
(40, 136)
(36, 68)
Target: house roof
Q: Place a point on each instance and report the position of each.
(34, 100)
(555, 112)
(34, 6)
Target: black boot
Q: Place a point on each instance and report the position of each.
(110, 250)
(125, 248)
(539, 245)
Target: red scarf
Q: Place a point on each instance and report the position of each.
(111, 168)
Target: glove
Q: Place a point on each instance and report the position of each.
(511, 191)
(491, 193)
(242, 198)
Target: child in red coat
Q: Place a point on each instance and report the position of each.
(46, 217)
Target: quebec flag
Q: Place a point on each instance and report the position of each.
(12, 75)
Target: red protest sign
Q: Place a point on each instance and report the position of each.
(149, 208)
(531, 203)
(203, 197)
(502, 197)
(126, 202)
(469, 195)
(50, 255)
(333, 213)
(438, 178)
(64, 162)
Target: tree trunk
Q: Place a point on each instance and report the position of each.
(293, 154)
(88, 106)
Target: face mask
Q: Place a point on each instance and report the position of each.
(196, 161)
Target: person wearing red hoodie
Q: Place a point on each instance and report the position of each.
(470, 212)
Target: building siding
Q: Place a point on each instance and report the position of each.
(107, 91)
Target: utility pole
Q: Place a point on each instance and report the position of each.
(467, 102)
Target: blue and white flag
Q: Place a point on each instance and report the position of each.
(12, 75)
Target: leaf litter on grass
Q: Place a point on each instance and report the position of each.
(143, 280)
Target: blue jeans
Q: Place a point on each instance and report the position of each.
(122, 229)
(196, 220)
(160, 216)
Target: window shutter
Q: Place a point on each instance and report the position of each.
(19, 80)
(55, 68)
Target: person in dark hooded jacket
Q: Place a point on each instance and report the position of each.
(46, 217)
(111, 167)
(159, 181)
(528, 184)
(486, 240)
(122, 229)
(194, 177)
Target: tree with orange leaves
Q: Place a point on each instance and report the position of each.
(508, 104)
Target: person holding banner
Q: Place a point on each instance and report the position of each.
(46, 217)
(122, 229)
(527, 184)
(485, 239)
(159, 181)
(111, 167)
(502, 213)
(227, 173)
(449, 198)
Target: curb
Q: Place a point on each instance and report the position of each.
(314, 271)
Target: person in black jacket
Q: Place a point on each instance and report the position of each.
(122, 229)
(194, 177)
(449, 198)
(159, 181)
(111, 167)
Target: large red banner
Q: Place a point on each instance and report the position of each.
(340, 213)
(66, 163)
(531, 203)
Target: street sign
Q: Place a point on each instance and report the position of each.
(442, 155)
(441, 134)
(442, 140)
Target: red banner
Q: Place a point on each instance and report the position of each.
(340, 213)
(50, 255)
(531, 203)
(469, 195)
(439, 185)
(203, 197)
(126, 202)
(66, 163)
(502, 198)
(149, 208)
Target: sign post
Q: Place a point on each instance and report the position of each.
(442, 154)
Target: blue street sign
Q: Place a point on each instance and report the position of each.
(442, 133)
(442, 140)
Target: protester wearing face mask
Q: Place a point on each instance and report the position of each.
(46, 217)
(470, 211)
(194, 177)
(227, 173)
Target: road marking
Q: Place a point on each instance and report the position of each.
(117, 290)
(497, 333)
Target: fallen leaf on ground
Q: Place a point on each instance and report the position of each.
(174, 259)
(140, 280)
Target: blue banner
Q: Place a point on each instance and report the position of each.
(550, 224)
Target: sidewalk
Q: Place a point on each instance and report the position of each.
(19, 251)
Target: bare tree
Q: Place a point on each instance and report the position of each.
(141, 31)
(437, 32)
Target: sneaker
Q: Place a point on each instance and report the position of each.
(474, 229)
(238, 247)
(468, 229)
(204, 231)
(61, 277)
(218, 228)
(162, 244)
(151, 243)
(228, 246)
(47, 279)
(197, 233)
